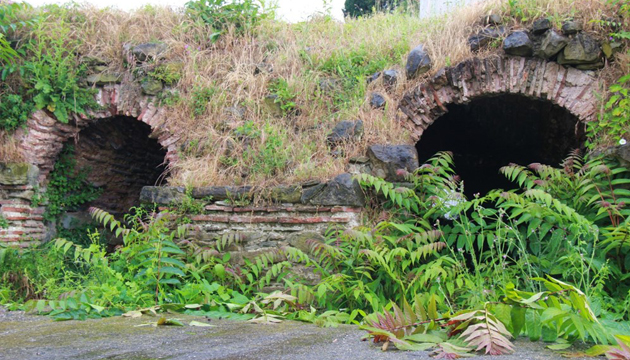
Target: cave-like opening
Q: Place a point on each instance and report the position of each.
(493, 131)
(121, 158)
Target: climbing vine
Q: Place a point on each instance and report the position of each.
(68, 187)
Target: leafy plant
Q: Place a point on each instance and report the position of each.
(67, 187)
(10, 21)
(220, 15)
(623, 352)
(613, 122)
(169, 73)
(560, 311)
(10, 16)
(201, 96)
(155, 261)
(410, 328)
(15, 111)
(352, 66)
(285, 96)
(483, 331)
(53, 72)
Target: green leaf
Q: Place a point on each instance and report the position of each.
(559, 346)
(172, 270)
(533, 325)
(549, 334)
(517, 315)
(170, 322)
(168, 260)
(172, 250)
(172, 281)
(219, 270)
(424, 338)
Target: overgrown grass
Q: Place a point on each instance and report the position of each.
(219, 73)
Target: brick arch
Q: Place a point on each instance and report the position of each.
(44, 137)
(568, 88)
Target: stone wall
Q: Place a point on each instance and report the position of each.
(302, 208)
(18, 186)
(266, 219)
(261, 228)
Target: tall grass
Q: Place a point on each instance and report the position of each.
(302, 55)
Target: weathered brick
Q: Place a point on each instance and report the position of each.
(497, 74)
(210, 218)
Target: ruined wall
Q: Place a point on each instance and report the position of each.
(264, 219)
(43, 138)
(567, 87)
(18, 187)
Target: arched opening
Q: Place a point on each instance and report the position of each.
(121, 158)
(492, 131)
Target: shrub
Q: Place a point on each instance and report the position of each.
(613, 123)
(53, 73)
(243, 15)
(15, 111)
(355, 8)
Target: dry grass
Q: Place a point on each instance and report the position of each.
(9, 149)
(214, 150)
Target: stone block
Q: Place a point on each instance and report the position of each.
(342, 190)
(388, 159)
(18, 174)
(418, 62)
(286, 194)
(219, 193)
(163, 195)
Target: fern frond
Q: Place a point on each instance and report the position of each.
(105, 218)
(483, 331)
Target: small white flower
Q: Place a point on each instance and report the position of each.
(622, 141)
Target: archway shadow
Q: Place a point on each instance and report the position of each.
(122, 158)
(493, 131)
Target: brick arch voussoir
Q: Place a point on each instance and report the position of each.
(569, 88)
(44, 136)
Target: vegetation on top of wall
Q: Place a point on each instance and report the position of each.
(223, 61)
(9, 23)
(355, 8)
(221, 15)
(44, 73)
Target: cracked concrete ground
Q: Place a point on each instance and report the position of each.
(36, 337)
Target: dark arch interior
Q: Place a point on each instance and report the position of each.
(490, 132)
(121, 158)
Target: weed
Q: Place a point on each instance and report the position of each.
(201, 96)
(613, 123)
(15, 111)
(285, 96)
(54, 73)
(243, 15)
(169, 73)
(67, 187)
